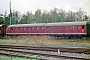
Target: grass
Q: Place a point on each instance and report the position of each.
(19, 58)
(45, 41)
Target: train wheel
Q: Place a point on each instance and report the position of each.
(69, 37)
(80, 37)
(2, 35)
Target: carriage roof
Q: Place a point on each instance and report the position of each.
(20, 25)
(50, 24)
(66, 23)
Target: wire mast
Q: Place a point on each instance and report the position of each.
(10, 14)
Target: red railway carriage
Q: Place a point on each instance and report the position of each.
(63, 29)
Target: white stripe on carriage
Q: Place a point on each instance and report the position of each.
(46, 33)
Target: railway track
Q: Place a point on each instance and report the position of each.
(62, 49)
(25, 50)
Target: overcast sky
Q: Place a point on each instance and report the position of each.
(33, 5)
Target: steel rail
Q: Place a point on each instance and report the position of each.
(42, 54)
(55, 49)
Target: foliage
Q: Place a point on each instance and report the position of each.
(1, 20)
(55, 15)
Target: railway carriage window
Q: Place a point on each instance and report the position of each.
(71, 27)
(27, 28)
(63, 27)
(14, 28)
(41, 28)
(48, 28)
(32, 28)
(22, 28)
(78, 27)
(37, 28)
(55, 28)
(82, 26)
(18, 28)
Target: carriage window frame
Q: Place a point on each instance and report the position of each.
(78, 27)
(14, 28)
(19, 28)
(42, 28)
(37, 28)
(22, 28)
(48, 28)
(32, 28)
(27, 28)
(55, 27)
(71, 27)
(63, 27)
(83, 27)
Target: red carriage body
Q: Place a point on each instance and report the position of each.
(66, 29)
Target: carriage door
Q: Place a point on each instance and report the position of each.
(83, 29)
(11, 30)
